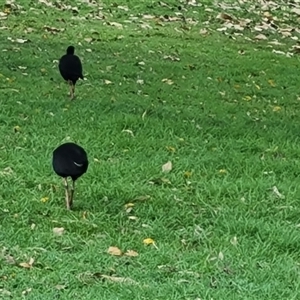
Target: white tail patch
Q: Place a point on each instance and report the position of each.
(76, 164)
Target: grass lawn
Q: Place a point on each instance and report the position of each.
(218, 97)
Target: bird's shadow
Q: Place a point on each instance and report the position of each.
(108, 204)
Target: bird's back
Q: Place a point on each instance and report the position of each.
(70, 67)
(71, 160)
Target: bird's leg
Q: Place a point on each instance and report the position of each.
(72, 193)
(70, 83)
(72, 91)
(67, 192)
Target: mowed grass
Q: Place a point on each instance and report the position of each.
(229, 123)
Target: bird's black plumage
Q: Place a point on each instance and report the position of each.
(70, 160)
(70, 68)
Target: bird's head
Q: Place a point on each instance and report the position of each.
(70, 50)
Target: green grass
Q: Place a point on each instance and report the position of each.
(230, 121)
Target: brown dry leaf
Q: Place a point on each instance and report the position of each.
(167, 167)
(203, 31)
(119, 279)
(114, 251)
(10, 259)
(261, 37)
(296, 11)
(58, 230)
(168, 81)
(60, 287)
(173, 58)
(27, 265)
(52, 29)
(115, 24)
(131, 253)
(21, 41)
(224, 16)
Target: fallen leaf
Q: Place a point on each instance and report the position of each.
(296, 11)
(27, 291)
(168, 81)
(60, 287)
(17, 129)
(271, 82)
(44, 199)
(234, 241)
(148, 241)
(128, 131)
(10, 259)
(221, 255)
(171, 149)
(222, 171)
(203, 31)
(167, 167)
(58, 230)
(261, 37)
(187, 174)
(276, 108)
(131, 253)
(114, 251)
(107, 81)
(21, 41)
(119, 279)
(27, 265)
(277, 193)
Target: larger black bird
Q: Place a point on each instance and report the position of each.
(69, 160)
(70, 68)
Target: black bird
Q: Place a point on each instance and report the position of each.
(69, 160)
(70, 68)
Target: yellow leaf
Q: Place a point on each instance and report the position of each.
(237, 86)
(257, 86)
(276, 108)
(247, 98)
(44, 199)
(187, 174)
(43, 70)
(17, 129)
(222, 171)
(131, 253)
(127, 205)
(114, 251)
(148, 241)
(84, 214)
(167, 167)
(271, 82)
(171, 149)
(107, 81)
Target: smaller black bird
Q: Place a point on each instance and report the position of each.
(69, 160)
(70, 68)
